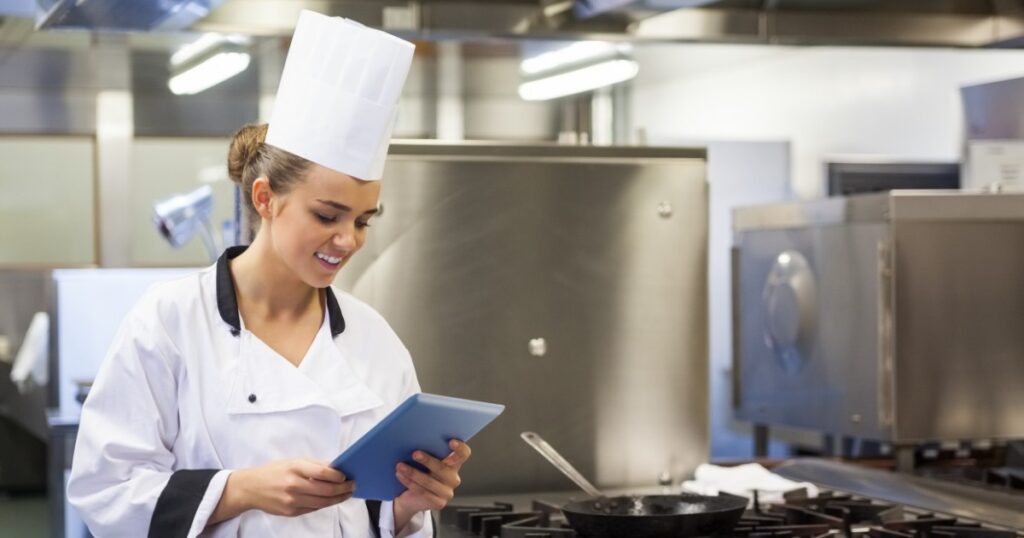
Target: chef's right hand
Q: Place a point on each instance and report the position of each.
(284, 488)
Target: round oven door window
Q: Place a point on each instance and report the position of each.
(788, 306)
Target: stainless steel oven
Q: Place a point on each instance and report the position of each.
(895, 317)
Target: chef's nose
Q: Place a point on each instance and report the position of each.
(345, 239)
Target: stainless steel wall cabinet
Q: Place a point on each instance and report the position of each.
(895, 317)
(568, 283)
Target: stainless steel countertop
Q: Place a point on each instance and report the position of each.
(905, 205)
(959, 500)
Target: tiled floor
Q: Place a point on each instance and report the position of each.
(24, 517)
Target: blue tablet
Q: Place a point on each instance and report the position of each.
(422, 422)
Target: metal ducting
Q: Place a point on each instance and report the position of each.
(943, 23)
(948, 23)
(124, 15)
(938, 23)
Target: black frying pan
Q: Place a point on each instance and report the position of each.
(655, 516)
(647, 516)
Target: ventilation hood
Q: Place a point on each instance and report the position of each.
(122, 15)
(941, 23)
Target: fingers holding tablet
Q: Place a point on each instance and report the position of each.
(460, 453)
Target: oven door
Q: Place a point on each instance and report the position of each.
(807, 327)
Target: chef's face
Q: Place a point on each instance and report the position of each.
(322, 221)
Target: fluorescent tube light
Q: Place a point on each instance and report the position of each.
(580, 80)
(209, 72)
(575, 53)
(208, 61)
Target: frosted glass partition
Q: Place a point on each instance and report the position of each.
(91, 303)
(47, 209)
(162, 167)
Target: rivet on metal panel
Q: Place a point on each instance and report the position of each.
(664, 209)
(538, 347)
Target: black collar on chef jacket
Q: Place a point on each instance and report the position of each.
(227, 301)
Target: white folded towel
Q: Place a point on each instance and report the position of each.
(31, 363)
(744, 480)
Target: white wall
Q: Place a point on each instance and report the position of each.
(47, 209)
(825, 101)
(162, 167)
(739, 174)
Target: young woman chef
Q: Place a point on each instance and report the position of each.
(225, 393)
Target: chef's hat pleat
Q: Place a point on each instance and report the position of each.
(338, 98)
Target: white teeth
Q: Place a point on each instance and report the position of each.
(329, 259)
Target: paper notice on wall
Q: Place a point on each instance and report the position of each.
(995, 165)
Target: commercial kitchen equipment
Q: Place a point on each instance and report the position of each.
(859, 503)
(23, 435)
(890, 317)
(549, 277)
(849, 176)
(180, 216)
(640, 516)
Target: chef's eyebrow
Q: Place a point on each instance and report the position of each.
(343, 207)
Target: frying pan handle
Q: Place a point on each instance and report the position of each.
(559, 462)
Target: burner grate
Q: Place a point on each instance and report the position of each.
(828, 515)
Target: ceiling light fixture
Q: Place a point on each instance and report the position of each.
(575, 68)
(580, 80)
(581, 51)
(208, 61)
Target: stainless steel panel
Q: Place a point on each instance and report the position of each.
(868, 208)
(912, 328)
(827, 378)
(217, 111)
(482, 250)
(47, 91)
(905, 205)
(960, 344)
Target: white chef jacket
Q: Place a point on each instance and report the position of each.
(186, 394)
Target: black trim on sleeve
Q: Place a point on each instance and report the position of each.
(227, 301)
(373, 507)
(176, 507)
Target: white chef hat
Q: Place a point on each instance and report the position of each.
(339, 93)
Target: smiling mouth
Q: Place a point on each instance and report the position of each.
(328, 259)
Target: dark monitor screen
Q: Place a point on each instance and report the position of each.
(856, 178)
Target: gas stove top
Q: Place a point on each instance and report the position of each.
(842, 512)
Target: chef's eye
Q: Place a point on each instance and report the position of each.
(362, 224)
(324, 218)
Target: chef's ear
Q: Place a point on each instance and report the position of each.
(262, 197)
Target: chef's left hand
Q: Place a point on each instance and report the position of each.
(430, 491)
